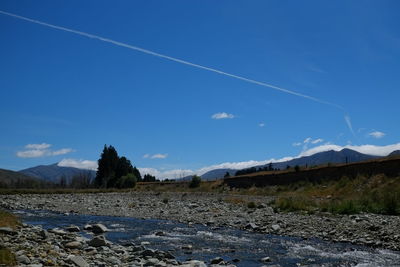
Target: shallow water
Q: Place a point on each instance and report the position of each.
(227, 243)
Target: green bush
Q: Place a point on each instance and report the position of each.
(251, 205)
(195, 182)
(127, 181)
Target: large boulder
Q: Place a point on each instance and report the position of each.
(99, 228)
(98, 241)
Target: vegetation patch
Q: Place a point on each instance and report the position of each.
(7, 258)
(8, 220)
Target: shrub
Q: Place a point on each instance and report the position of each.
(7, 258)
(127, 181)
(251, 205)
(195, 182)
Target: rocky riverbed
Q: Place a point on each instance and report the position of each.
(221, 210)
(37, 247)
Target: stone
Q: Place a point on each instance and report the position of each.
(99, 228)
(193, 263)
(187, 247)
(251, 226)
(23, 259)
(266, 259)
(78, 261)
(57, 231)
(73, 228)
(43, 234)
(7, 231)
(88, 227)
(148, 252)
(217, 260)
(160, 233)
(98, 241)
(275, 227)
(73, 245)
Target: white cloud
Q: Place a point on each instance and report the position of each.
(307, 140)
(377, 134)
(261, 124)
(222, 115)
(155, 156)
(297, 144)
(80, 164)
(159, 156)
(38, 146)
(316, 141)
(41, 150)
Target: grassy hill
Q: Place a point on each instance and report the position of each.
(12, 179)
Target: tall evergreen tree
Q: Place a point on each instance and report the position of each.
(107, 166)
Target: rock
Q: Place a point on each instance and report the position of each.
(151, 262)
(275, 227)
(7, 231)
(98, 241)
(193, 263)
(187, 247)
(148, 252)
(78, 261)
(57, 231)
(88, 227)
(217, 260)
(43, 234)
(99, 228)
(73, 245)
(266, 259)
(252, 226)
(23, 259)
(160, 233)
(73, 228)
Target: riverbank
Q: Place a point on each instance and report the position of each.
(252, 213)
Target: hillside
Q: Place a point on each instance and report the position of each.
(53, 172)
(331, 156)
(12, 179)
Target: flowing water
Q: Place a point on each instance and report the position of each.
(230, 244)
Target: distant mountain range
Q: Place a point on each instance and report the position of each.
(10, 179)
(331, 156)
(53, 172)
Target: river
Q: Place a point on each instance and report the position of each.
(242, 248)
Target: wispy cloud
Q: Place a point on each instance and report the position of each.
(38, 146)
(222, 115)
(180, 61)
(377, 134)
(155, 156)
(349, 125)
(316, 141)
(79, 163)
(159, 156)
(297, 144)
(41, 150)
(261, 124)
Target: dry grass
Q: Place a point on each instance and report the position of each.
(7, 258)
(8, 220)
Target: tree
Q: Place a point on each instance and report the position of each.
(115, 171)
(227, 175)
(195, 182)
(296, 168)
(149, 178)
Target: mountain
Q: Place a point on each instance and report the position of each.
(12, 179)
(395, 153)
(331, 156)
(217, 173)
(53, 172)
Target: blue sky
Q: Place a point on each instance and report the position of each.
(65, 95)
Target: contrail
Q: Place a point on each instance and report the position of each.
(149, 52)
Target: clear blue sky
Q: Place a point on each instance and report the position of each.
(76, 93)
